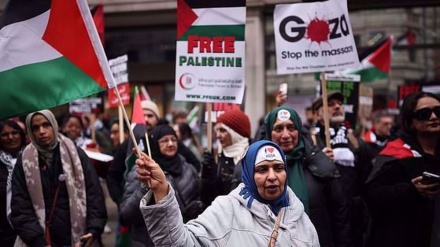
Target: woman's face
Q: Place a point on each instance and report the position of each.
(285, 134)
(73, 128)
(223, 136)
(270, 177)
(114, 134)
(428, 123)
(168, 145)
(10, 139)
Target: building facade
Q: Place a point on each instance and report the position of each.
(146, 31)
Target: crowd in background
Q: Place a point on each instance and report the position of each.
(354, 190)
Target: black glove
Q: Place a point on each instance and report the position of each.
(208, 165)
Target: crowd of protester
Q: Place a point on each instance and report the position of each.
(289, 185)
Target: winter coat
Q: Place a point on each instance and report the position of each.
(187, 185)
(7, 234)
(401, 217)
(115, 175)
(227, 222)
(327, 202)
(352, 181)
(25, 220)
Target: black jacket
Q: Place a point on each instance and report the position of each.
(186, 186)
(327, 202)
(352, 181)
(115, 174)
(401, 217)
(7, 234)
(25, 220)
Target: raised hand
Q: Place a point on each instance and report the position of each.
(150, 173)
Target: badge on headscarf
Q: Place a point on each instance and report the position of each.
(283, 115)
(268, 152)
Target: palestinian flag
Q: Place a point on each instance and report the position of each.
(376, 65)
(407, 38)
(50, 55)
(211, 18)
(139, 129)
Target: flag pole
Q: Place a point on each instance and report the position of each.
(102, 58)
(325, 109)
(121, 125)
(127, 121)
(209, 126)
(148, 143)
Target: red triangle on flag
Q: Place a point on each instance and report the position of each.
(137, 116)
(68, 41)
(185, 17)
(381, 58)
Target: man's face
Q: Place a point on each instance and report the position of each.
(383, 126)
(335, 112)
(150, 119)
(42, 131)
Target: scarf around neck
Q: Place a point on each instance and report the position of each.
(339, 143)
(296, 179)
(75, 184)
(9, 161)
(239, 145)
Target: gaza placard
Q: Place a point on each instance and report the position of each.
(314, 37)
(210, 51)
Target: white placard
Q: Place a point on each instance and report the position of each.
(314, 37)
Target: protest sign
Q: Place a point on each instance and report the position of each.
(210, 51)
(314, 37)
(86, 105)
(119, 70)
(348, 85)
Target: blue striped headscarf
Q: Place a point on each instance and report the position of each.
(249, 191)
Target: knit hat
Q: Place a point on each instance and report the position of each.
(150, 105)
(317, 103)
(236, 120)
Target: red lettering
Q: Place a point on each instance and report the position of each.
(193, 41)
(229, 44)
(217, 44)
(205, 44)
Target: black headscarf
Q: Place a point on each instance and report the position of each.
(170, 165)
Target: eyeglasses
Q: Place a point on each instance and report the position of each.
(426, 113)
(166, 140)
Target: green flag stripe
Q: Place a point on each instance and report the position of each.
(371, 74)
(212, 31)
(43, 85)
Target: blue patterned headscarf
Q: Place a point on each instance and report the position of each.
(250, 191)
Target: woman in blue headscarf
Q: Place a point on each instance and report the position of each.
(261, 211)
